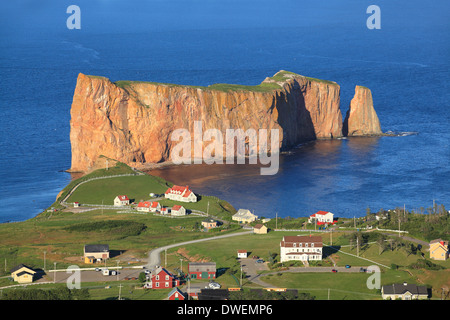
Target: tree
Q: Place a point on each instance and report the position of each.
(142, 277)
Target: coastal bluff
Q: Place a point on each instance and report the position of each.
(132, 121)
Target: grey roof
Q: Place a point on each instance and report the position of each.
(96, 248)
(202, 266)
(402, 288)
(19, 267)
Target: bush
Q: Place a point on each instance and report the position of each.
(426, 264)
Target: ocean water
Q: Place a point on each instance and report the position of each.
(200, 42)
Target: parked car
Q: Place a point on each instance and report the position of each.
(97, 269)
(334, 270)
(259, 261)
(213, 285)
(348, 266)
(362, 269)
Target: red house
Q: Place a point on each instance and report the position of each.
(202, 270)
(176, 294)
(162, 279)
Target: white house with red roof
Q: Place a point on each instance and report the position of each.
(321, 217)
(148, 206)
(301, 248)
(180, 193)
(121, 200)
(178, 210)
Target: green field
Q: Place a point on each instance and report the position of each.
(225, 87)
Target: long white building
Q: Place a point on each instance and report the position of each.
(180, 193)
(301, 248)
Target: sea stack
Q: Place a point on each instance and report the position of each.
(361, 118)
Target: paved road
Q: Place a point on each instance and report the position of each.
(154, 258)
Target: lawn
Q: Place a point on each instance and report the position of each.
(137, 188)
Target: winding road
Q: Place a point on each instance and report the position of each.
(154, 258)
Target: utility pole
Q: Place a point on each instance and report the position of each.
(276, 220)
(357, 246)
(54, 272)
(207, 210)
(120, 291)
(44, 259)
(331, 237)
(165, 258)
(241, 275)
(328, 293)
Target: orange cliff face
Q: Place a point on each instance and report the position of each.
(361, 118)
(133, 121)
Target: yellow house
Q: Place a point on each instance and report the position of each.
(439, 249)
(22, 274)
(260, 229)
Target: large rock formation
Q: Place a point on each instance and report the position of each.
(133, 121)
(361, 118)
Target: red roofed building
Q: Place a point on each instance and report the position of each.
(302, 248)
(178, 210)
(321, 217)
(180, 193)
(121, 200)
(148, 206)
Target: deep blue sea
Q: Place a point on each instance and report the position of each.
(201, 42)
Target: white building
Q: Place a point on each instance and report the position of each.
(242, 253)
(321, 217)
(301, 248)
(148, 206)
(121, 201)
(178, 211)
(244, 216)
(179, 193)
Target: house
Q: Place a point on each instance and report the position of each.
(209, 223)
(260, 229)
(242, 253)
(148, 206)
(439, 249)
(404, 291)
(121, 200)
(321, 217)
(301, 248)
(76, 204)
(178, 210)
(176, 294)
(160, 278)
(179, 193)
(164, 211)
(202, 270)
(22, 274)
(95, 253)
(244, 216)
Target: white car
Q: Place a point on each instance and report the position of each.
(213, 285)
